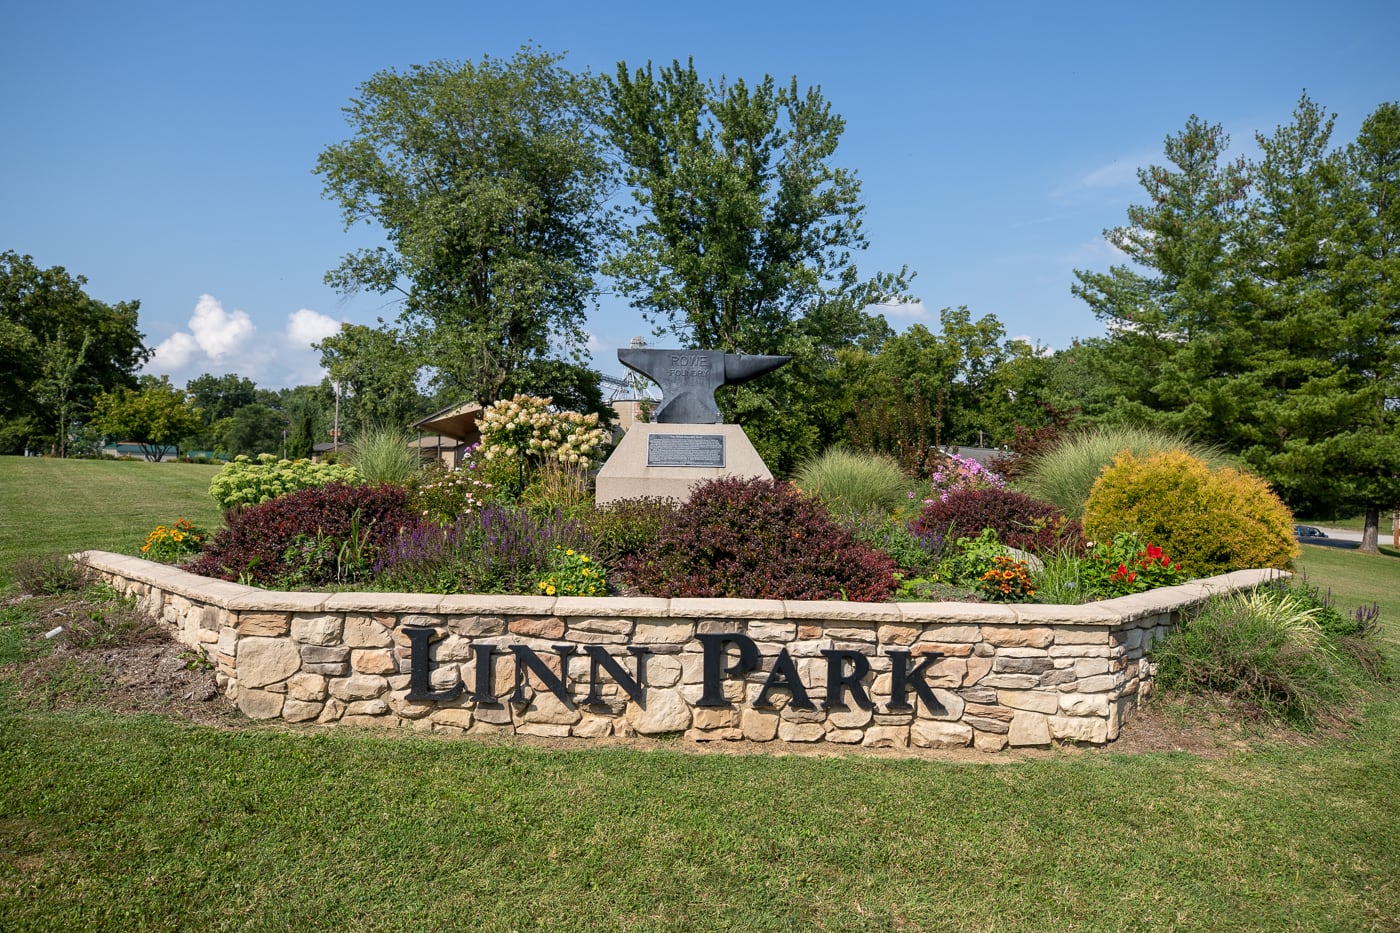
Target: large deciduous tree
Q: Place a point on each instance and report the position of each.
(742, 235)
(376, 373)
(59, 348)
(157, 416)
(489, 181)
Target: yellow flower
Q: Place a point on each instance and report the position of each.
(550, 590)
(569, 552)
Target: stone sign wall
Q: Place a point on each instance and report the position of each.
(929, 675)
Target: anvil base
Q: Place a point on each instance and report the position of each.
(626, 474)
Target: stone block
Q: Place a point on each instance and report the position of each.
(592, 727)
(1033, 700)
(1022, 665)
(1085, 704)
(492, 714)
(601, 626)
(301, 710)
(455, 716)
(1029, 729)
(666, 671)
(308, 688)
(771, 630)
(548, 628)
(988, 711)
(310, 628)
(374, 661)
(946, 648)
(546, 708)
(953, 706)
(1010, 681)
(789, 731)
(358, 687)
(665, 711)
(1079, 729)
(985, 724)
(898, 634)
(1007, 636)
(934, 734)
(1099, 684)
(259, 704)
(886, 737)
(663, 632)
(1057, 678)
(1090, 667)
(977, 668)
(1095, 635)
(759, 725)
(845, 736)
(361, 630)
(852, 717)
(263, 661)
(714, 717)
(320, 654)
(264, 623)
(546, 730)
(989, 742)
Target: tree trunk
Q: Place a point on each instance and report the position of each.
(1370, 535)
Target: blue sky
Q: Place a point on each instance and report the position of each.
(164, 150)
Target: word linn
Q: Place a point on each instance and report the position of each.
(845, 671)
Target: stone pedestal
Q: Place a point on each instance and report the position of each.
(630, 473)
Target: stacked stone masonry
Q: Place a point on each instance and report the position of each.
(1019, 675)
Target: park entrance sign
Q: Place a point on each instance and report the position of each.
(896, 675)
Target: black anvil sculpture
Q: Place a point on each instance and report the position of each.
(688, 379)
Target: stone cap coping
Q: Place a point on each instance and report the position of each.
(239, 598)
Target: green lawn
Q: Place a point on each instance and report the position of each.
(72, 505)
(117, 822)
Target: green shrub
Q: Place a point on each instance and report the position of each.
(244, 482)
(628, 527)
(1066, 473)
(1210, 521)
(851, 482)
(442, 495)
(574, 574)
(383, 455)
(916, 555)
(1266, 650)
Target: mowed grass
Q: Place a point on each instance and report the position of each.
(120, 822)
(73, 505)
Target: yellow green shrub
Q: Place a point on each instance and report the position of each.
(1212, 521)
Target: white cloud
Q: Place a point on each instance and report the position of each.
(219, 342)
(218, 332)
(174, 352)
(900, 310)
(305, 327)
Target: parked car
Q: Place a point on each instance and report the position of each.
(1307, 534)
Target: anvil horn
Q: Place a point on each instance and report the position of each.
(741, 367)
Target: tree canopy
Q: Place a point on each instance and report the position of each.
(488, 179)
(157, 416)
(742, 233)
(59, 348)
(1260, 311)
